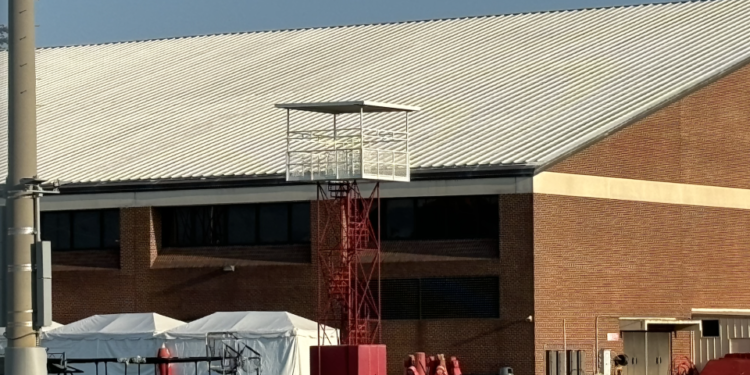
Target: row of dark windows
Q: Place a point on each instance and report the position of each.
(440, 298)
(441, 218)
(236, 225)
(82, 230)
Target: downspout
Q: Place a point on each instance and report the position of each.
(565, 346)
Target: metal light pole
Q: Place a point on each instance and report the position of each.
(22, 357)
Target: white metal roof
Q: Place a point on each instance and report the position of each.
(517, 90)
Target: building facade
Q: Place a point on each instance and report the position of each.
(646, 224)
(579, 183)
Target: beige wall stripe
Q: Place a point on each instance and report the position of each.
(639, 190)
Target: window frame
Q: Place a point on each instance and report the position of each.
(101, 213)
(421, 309)
(168, 231)
(416, 233)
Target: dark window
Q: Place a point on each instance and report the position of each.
(56, 229)
(184, 223)
(440, 298)
(400, 299)
(446, 298)
(236, 225)
(439, 218)
(86, 230)
(82, 230)
(400, 223)
(196, 226)
(111, 229)
(241, 224)
(711, 328)
(274, 223)
(301, 222)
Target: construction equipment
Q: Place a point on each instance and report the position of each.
(237, 358)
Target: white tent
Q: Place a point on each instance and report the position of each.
(110, 336)
(282, 339)
(4, 340)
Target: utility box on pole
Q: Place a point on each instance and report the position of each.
(43, 285)
(3, 265)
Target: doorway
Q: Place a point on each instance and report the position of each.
(648, 353)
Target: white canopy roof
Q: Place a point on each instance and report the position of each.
(114, 327)
(248, 324)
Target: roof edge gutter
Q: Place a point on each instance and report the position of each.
(421, 174)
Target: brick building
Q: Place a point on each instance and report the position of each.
(579, 180)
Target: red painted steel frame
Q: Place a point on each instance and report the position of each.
(348, 247)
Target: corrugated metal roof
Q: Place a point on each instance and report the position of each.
(516, 90)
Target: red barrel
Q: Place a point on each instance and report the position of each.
(421, 363)
(164, 368)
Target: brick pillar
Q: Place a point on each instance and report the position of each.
(516, 283)
(682, 342)
(140, 233)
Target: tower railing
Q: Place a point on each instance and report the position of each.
(346, 241)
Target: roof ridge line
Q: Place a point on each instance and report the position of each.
(553, 11)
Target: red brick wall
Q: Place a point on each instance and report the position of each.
(482, 345)
(701, 139)
(607, 257)
(597, 257)
(188, 284)
(400, 251)
(85, 260)
(681, 346)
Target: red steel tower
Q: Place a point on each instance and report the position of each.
(347, 236)
(348, 247)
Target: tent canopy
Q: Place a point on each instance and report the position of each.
(249, 324)
(114, 327)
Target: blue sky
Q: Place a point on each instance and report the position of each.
(68, 22)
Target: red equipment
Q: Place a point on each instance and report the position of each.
(683, 366)
(349, 255)
(453, 367)
(421, 363)
(731, 364)
(432, 364)
(348, 360)
(410, 365)
(164, 368)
